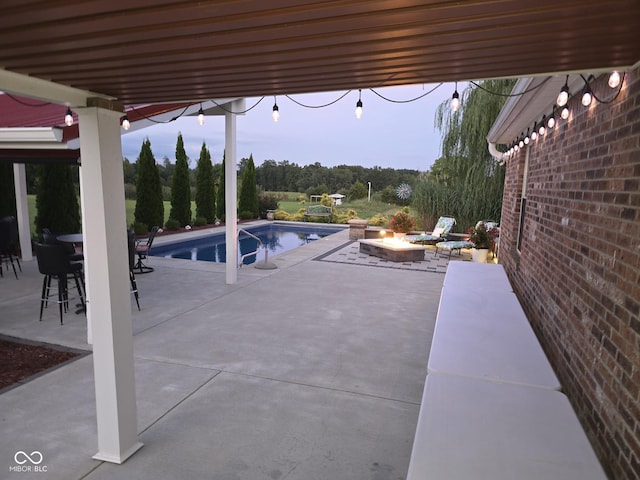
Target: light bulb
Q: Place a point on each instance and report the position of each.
(614, 79)
(534, 135)
(276, 113)
(542, 130)
(565, 112)
(521, 143)
(586, 97)
(516, 147)
(563, 96)
(455, 101)
(359, 109)
(200, 116)
(68, 117)
(551, 122)
(126, 124)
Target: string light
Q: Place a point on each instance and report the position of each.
(552, 119)
(587, 96)
(534, 133)
(126, 124)
(68, 117)
(614, 79)
(200, 116)
(542, 129)
(276, 111)
(455, 99)
(563, 96)
(527, 139)
(359, 105)
(564, 113)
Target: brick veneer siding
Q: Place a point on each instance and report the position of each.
(578, 270)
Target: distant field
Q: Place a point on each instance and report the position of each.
(291, 205)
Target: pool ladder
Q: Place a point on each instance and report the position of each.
(266, 265)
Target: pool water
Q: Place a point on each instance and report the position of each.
(277, 238)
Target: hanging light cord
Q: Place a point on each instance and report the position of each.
(26, 104)
(524, 92)
(319, 106)
(237, 113)
(409, 100)
(612, 99)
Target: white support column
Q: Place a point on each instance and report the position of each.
(231, 195)
(22, 210)
(87, 260)
(109, 307)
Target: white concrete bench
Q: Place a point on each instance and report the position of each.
(491, 409)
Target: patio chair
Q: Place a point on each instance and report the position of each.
(143, 247)
(439, 234)
(54, 264)
(8, 239)
(132, 260)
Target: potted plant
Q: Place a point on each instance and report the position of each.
(402, 223)
(483, 240)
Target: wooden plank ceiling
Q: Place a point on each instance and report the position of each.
(157, 51)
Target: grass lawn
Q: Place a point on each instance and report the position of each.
(364, 208)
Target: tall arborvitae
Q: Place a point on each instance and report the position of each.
(7, 191)
(205, 188)
(180, 188)
(149, 206)
(220, 203)
(57, 200)
(248, 202)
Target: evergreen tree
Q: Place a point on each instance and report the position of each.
(7, 191)
(205, 188)
(220, 203)
(248, 202)
(180, 188)
(57, 199)
(149, 207)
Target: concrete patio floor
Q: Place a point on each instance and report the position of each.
(311, 371)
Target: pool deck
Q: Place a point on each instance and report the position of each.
(314, 370)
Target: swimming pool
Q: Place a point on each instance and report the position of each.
(276, 237)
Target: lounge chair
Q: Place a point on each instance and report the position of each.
(439, 234)
(143, 247)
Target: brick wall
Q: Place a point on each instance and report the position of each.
(578, 270)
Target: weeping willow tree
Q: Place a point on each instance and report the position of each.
(466, 182)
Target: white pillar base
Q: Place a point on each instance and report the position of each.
(119, 459)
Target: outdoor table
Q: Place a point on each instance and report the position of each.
(470, 428)
(70, 238)
(488, 336)
(477, 276)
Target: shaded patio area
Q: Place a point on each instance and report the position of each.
(311, 371)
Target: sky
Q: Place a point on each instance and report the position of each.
(388, 135)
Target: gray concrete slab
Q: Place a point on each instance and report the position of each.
(313, 370)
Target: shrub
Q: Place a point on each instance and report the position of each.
(345, 216)
(267, 201)
(378, 220)
(180, 189)
(140, 228)
(281, 215)
(199, 221)
(402, 222)
(246, 215)
(172, 224)
(149, 207)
